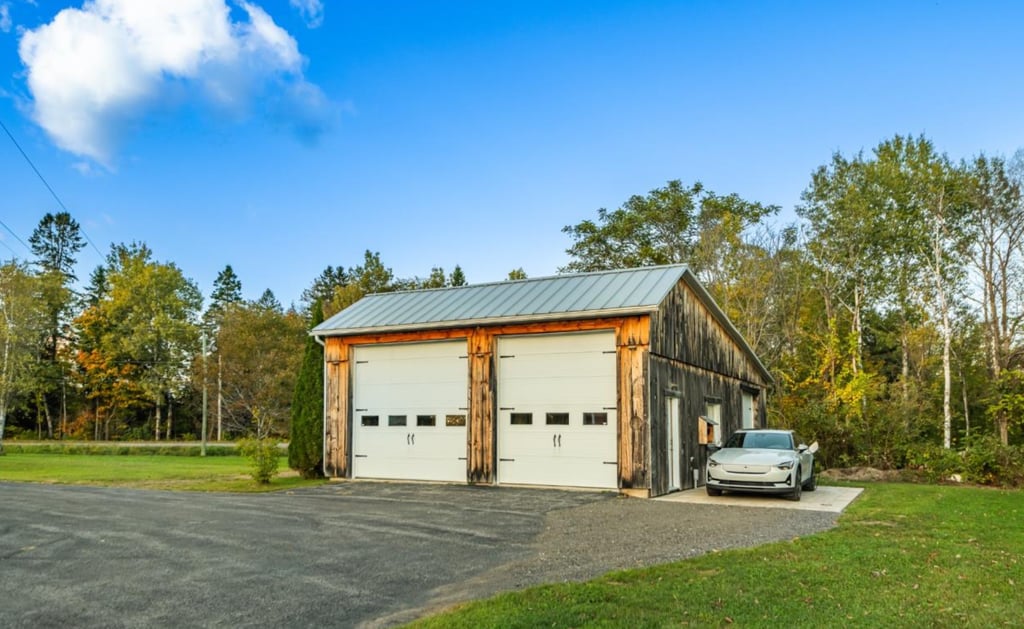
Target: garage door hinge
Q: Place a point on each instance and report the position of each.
(507, 408)
(361, 456)
(462, 458)
(608, 351)
(608, 408)
(361, 410)
(362, 362)
(611, 462)
(466, 356)
(507, 356)
(509, 460)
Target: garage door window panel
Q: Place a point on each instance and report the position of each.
(371, 420)
(396, 420)
(426, 420)
(557, 419)
(595, 419)
(521, 419)
(455, 421)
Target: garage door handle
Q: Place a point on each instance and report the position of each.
(554, 441)
(414, 439)
(407, 439)
(559, 441)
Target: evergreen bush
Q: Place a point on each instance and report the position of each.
(305, 448)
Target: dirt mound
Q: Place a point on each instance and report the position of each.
(857, 474)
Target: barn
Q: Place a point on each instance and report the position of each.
(611, 380)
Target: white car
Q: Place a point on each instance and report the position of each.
(763, 461)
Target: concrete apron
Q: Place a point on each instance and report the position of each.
(832, 499)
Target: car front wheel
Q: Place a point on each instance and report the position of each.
(812, 481)
(794, 494)
(713, 491)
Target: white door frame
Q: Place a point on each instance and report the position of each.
(672, 436)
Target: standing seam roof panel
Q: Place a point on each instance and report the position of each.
(565, 294)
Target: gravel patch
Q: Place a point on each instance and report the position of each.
(586, 541)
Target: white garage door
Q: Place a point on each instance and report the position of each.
(409, 411)
(556, 410)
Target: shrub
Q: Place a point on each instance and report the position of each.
(984, 460)
(263, 455)
(305, 448)
(933, 463)
(988, 462)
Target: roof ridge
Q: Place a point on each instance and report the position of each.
(558, 276)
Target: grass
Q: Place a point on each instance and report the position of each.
(902, 555)
(181, 473)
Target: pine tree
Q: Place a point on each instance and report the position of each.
(305, 450)
(457, 278)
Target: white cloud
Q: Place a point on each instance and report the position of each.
(312, 11)
(5, 17)
(96, 71)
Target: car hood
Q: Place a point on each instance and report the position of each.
(753, 456)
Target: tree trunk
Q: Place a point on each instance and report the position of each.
(220, 396)
(157, 422)
(170, 420)
(49, 418)
(963, 396)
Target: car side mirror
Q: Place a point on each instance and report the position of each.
(712, 448)
(803, 447)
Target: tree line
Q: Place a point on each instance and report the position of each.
(889, 313)
(131, 355)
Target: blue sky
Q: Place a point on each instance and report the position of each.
(284, 136)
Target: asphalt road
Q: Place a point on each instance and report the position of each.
(340, 555)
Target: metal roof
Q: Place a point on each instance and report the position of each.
(583, 295)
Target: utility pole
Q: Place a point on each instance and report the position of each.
(202, 451)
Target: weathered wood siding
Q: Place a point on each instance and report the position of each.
(632, 340)
(694, 387)
(685, 329)
(695, 359)
(632, 351)
(338, 390)
(482, 429)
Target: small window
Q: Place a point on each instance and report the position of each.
(396, 420)
(595, 419)
(371, 420)
(557, 419)
(426, 420)
(521, 419)
(454, 420)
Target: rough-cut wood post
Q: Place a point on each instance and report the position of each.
(480, 435)
(336, 447)
(632, 347)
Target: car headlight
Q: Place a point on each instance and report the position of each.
(785, 465)
(713, 463)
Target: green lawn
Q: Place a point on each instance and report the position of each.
(903, 555)
(184, 473)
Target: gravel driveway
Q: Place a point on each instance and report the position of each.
(346, 554)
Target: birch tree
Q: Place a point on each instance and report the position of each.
(997, 233)
(22, 321)
(937, 208)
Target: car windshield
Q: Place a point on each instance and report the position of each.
(768, 440)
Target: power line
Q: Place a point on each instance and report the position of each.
(45, 183)
(15, 237)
